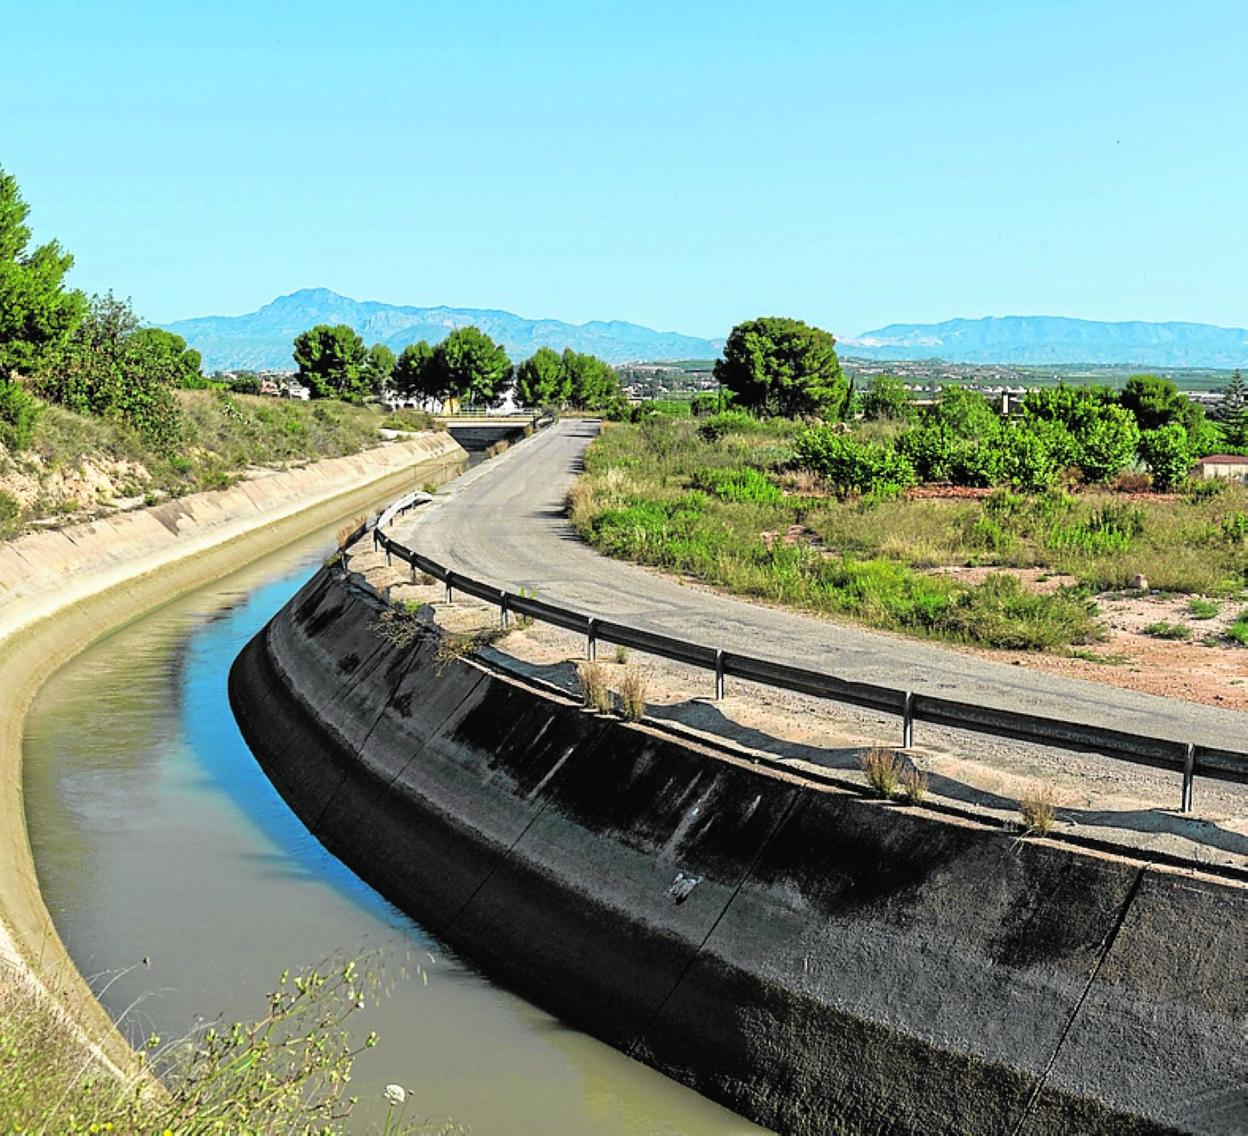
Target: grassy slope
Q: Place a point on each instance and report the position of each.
(80, 463)
(661, 494)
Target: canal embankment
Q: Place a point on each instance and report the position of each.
(819, 961)
(61, 590)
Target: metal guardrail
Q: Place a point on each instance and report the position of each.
(1186, 759)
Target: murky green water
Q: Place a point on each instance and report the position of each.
(156, 836)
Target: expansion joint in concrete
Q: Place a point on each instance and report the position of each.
(1101, 956)
(697, 953)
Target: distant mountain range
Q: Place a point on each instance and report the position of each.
(262, 339)
(1040, 340)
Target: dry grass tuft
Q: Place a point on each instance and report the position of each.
(1038, 810)
(594, 692)
(633, 695)
(883, 769)
(913, 786)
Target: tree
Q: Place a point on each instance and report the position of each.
(37, 312)
(1155, 401)
(887, 399)
(469, 364)
(783, 367)
(331, 361)
(542, 379)
(592, 382)
(414, 375)
(1234, 399)
(378, 368)
(113, 367)
(19, 411)
(1167, 452)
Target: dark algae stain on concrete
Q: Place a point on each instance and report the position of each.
(820, 962)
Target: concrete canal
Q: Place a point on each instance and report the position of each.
(156, 836)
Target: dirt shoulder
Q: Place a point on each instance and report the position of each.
(1098, 800)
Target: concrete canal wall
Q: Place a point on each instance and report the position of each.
(62, 590)
(817, 961)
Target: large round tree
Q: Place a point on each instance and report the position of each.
(783, 367)
(331, 361)
(470, 365)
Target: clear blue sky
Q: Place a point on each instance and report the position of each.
(683, 165)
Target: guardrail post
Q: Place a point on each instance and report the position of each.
(412, 564)
(450, 591)
(389, 562)
(907, 721)
(719, 675)
(1189, 775)
(503, 612)
(591, 640)
(376, 539)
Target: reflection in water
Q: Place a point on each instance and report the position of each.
(156, 835)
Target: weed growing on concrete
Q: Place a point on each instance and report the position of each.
(621, 655)
(883, 770)
(454, 646)
(633, 695)
(401, 626)
(594, 692)
(1038, 810)
(913, 786)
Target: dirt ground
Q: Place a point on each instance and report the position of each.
(1095, 796)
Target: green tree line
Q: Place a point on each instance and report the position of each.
(467, 366)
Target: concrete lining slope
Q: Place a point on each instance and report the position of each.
(60, 591)
(817, 961)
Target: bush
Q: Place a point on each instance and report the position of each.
(19, 412)
(852, 465)
(887, 399)
(739, 485)
(1163, 629)
(1167, 454)
(728, 422)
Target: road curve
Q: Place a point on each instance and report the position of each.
(504, 523)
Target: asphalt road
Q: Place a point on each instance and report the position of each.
(504, 523)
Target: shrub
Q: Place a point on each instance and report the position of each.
(633, 695)
(1027, 458)
(19, 411)
(1199, 608)
(853, 465)
(621, 655)
(1238, 630)
(1107, 444)
(1234, 527)
(1163, 629)
(1167, 454)
(744, 484)
(883, 770)
(593, 681)
(728, 422)
(887, 399)
(1038, 810)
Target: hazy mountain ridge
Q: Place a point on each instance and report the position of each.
(262, 339)
(1038, 340)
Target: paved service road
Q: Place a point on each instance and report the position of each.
(504, 523)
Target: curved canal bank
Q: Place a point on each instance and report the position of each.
(161, 837)
(62, 590)
(816, 960)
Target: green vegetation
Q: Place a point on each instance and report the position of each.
(1238, 630)
(289, 1071)
(1199, 608)
(883, 770)
(783, 367)
(1164, 629)
(785, 513)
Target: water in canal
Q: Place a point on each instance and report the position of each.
(157, 836)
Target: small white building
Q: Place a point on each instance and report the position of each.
(1233, 467)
